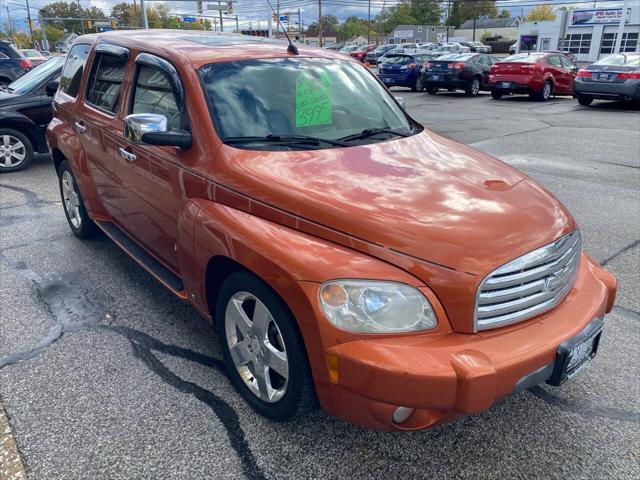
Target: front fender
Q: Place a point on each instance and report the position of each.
(19, 121)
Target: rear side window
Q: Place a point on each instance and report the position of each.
(105, 82)
(153, 94)
(555, 61)
(10, 51)
(566, 63)
(73, 68)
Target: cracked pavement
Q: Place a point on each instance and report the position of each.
(103, 374)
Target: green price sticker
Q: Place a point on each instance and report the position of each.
(313, 100)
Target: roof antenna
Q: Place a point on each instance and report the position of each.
(291, 49)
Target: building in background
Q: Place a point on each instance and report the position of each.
(506, 28)
(419, 34)
(587, 33)
(329, 38)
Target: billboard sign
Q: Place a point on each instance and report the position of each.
(601, 16)
(403, 34)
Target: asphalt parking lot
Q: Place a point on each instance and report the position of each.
(103, 374)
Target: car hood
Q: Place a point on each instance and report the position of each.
(423, 196)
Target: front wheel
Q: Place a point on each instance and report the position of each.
(496, 94)
(262, 348)
(81, 224)
(585, 100)
(16, 150)
(432, 90)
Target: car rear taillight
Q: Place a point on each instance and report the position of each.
(635, 75)
(25, 63)
(584, 73)
(456, 66)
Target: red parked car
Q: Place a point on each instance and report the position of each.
(538, 74)
(361, 53)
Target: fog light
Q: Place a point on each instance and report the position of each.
(402, 414)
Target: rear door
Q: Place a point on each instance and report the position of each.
(98, 125)
(570, 72)
(560, 76)
(484, 63)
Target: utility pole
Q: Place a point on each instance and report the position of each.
(277, 18)
(448, 15)
(45, 42)
(299, 26)
(79, 14)
(29, 21)
(369, 24)
(6, 5)
(320, 23)
(269, 22)
(135, 13)
(623, 20)
(237, 25)
(474, 21)
(145, 23)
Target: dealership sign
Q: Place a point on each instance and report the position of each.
(403, 34)
(600, 16)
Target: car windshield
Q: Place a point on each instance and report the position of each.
(620, 60)
(462, 57)
(32, 79)
(524, 58)
(312, 98)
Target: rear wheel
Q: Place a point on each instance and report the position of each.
(432, 90)
(419, 85)
(263, 350)
(81, 224)
(496, 94)
(544, 94)
(16, 150)
(473, 87)
(585, 100)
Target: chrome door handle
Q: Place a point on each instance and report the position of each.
(130, 157)
(80, 128)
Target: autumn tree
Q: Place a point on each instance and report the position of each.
(540, 14)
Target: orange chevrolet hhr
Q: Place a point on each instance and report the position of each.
(348, 256)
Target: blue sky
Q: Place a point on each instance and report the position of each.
(248, 12)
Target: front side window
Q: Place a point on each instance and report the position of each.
(105, 82)
(326, 99)
(566, 63)
(73, 68)
(153, 94)
(555, 61)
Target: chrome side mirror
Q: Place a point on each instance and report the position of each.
(401, 102)
(137, 124)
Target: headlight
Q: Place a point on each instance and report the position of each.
(370, 306)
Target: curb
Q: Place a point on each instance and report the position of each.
(11, 466)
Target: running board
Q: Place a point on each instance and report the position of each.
(140, 255)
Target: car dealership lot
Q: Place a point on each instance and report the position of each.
(120, 380)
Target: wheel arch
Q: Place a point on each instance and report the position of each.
(22, 124)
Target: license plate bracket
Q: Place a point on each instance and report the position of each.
(576, 353)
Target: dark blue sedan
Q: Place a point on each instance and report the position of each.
(402, 69)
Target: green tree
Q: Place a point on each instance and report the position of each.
(426, 12)
(504, 14)
(352, 27)
(463, 10)
(64, 10)
(401, 14)
(124, 14)
(329, 23)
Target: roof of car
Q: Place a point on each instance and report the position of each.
(200, 48)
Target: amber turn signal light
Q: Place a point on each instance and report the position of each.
(333, 367)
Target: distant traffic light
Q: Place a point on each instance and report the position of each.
(286, 17)
(275, 16)
(229, 8)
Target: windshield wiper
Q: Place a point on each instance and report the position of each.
(370, 132)
(286, 140)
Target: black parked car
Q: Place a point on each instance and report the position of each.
(458, 71)
(25, 112)
(13, 63)
(615, 77)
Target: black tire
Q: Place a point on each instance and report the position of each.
(300, 396)
(432, 90)
(86, 228)
(27, 149)
(496, 94)
(473, 87)
(418, 86)
(585, 100)
(546, 92)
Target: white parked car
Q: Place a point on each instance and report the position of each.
(448, 48)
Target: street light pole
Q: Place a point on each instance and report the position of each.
(623, 19)
(320, 23)
(79, 15)
(145, 23)
(369, 24)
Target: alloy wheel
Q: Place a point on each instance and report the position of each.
(71, 199)
(546, 92)
(12, 151)
(257, 347)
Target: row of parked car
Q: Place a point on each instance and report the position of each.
(539, 75)
(14, 62)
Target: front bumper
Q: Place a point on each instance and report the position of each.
(627, 90)
(443, 376)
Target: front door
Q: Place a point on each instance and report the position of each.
(152, 176)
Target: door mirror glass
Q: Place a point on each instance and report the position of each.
(51, 88)
(153, 129)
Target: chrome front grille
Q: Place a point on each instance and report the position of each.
(528, 285)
